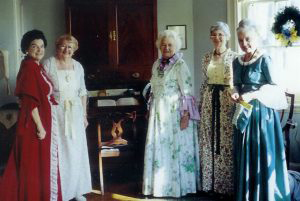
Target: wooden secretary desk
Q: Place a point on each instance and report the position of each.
(117, 49)
(116, 39)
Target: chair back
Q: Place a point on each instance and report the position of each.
(289, 124)
(8, 123)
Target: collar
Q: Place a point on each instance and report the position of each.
(254, 59)
(166, 63)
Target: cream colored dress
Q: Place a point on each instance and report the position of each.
(74, 164)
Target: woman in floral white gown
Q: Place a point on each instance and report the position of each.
(172, 153)
(67, 76)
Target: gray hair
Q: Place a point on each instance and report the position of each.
(222, 26)
(169, 34)
(246, 25)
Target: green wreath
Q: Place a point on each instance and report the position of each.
(287, 25)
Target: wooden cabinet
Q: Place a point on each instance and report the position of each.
(116, 40)
(117, 49)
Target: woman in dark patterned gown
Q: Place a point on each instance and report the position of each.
(216, 110)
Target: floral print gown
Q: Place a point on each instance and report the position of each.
(171, 165)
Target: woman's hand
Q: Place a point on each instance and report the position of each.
(184, 121)
(41, 133)
(247, 97)
(235, 97)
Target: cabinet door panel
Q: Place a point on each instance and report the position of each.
(135, 34)
(116, 39)
(92, 32)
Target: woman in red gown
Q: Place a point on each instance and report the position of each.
(31, 173)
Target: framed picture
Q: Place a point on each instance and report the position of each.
(181, 30)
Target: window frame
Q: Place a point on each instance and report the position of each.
(239, 10)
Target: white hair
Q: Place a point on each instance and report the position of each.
(246, 25)
(169, 34)
(222, 26)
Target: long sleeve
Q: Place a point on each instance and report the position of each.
(205, 62)
(27, 86)
(271, 94)
(187, 100)
(237, 75)
(27, 89)
(49, 66)
(82, 89)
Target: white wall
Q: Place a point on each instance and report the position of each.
(47, 16)
(8, 41)
(205, 14)
(178, 12)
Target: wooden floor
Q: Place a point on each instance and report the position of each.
(131, 191)
(125, 183)
(108, 196)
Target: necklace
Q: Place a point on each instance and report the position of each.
(244, 70)
(67, 69)
(220, 53)
(251, 57)
(67, 76)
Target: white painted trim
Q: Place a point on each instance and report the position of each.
(260, 0)
(232, 21)
(18, 24)
(297, 108)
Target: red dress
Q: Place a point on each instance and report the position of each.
(29, 174)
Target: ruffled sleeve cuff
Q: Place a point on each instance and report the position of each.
(188, 103)
(82, 92)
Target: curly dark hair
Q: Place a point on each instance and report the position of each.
(30, 36)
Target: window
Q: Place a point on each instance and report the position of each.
(286, 60)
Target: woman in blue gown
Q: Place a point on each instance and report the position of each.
(261, 171)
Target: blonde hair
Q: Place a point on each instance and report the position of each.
(169, 34)
(69, 38)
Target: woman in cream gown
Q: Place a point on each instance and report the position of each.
(67, 76)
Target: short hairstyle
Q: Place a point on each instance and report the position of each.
(246, 25)
(169, 34)
(69, 38)
(222, 26)
(30, 36)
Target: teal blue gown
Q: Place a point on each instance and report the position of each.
(260, 162)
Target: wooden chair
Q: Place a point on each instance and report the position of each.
(289, 124)
(115, 147)
(8, 124)
(103, 153)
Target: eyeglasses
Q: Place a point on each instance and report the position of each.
(217, 36)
